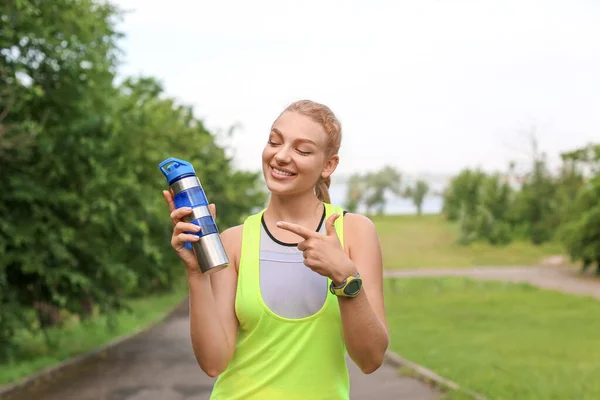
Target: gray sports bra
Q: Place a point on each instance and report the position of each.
(288, 287)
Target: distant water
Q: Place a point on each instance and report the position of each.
(394, 205)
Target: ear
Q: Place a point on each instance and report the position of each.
(330, 166)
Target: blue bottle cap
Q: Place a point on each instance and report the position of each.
(172, 168)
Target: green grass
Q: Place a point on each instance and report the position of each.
(411, 241)
(502, 340)
(76, 338)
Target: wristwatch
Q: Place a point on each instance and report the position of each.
(349, 288)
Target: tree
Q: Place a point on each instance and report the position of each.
(82, 218)
(14, 138)
(417, 194)
(480, 203)
(535, 214)
(57, 61)
(462, 194)
(356, 187)
(489, 220)
(378, 183)
(538, 206)
(580, 232)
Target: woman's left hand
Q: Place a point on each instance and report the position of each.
(323, 254)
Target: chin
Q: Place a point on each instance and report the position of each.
(287, 190)
(280, 188)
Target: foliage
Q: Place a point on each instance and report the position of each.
(75, 338)
(480, 203)
(535, 211)
(82, 220)
(417, 194)
(581, 231)
(370, 189)
(538, 206)
(462, 194)
(356, 189)
(488, 217)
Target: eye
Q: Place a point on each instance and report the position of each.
(304, 153)
(272, 143)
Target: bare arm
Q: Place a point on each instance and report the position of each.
(213, 323)
(365, 326)
(363, 317)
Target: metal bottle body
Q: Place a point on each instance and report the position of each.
(210, 253)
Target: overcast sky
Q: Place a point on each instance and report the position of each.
(426, 86)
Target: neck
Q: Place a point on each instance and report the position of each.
(296, 209)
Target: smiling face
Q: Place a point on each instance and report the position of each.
(296, 155)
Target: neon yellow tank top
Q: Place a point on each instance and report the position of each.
(278, 358)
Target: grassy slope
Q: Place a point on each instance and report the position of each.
(410, 241)
(505, 341)
(79, 338)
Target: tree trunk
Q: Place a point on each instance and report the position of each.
(585, 264)
(48, 315)
(87, 307)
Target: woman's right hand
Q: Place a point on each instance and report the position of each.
(180, 227)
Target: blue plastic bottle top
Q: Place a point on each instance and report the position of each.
(174, 169)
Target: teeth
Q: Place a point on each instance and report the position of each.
(279, 172)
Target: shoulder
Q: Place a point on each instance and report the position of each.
(358, 221)
(359, 230)
(232, 237)
(233, 233)
(232, 241)
(362, 245)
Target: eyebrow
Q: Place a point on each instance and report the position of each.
(277, 131)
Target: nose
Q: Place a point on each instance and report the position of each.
(282, 156)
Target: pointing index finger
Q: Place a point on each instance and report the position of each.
(297, 229)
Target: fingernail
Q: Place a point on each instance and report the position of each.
(279, 223)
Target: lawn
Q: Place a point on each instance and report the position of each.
(411, 241)
(77, 338)
(502, 340)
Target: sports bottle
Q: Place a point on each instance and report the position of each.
(187, 192)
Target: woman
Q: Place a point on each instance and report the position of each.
(276, 323)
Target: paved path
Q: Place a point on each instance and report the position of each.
(549, 277)
(159, 365)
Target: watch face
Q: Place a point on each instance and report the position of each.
(353, 287)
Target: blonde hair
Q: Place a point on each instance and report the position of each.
(322, 115)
